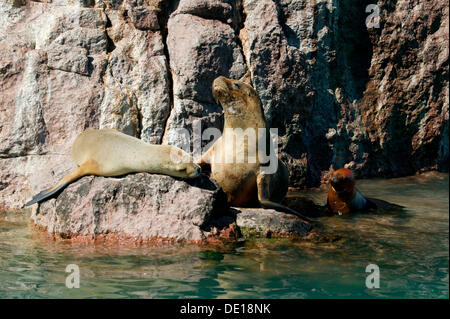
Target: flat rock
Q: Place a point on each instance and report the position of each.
(259, 222)
(139, 206)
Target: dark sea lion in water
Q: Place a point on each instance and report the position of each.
(244, 182)
(344, 198)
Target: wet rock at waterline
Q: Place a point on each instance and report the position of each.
(269, 223)
(141, 206)
(147, 208)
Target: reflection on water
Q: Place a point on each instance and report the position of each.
(410, 247)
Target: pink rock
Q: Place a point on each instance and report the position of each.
(142, 206)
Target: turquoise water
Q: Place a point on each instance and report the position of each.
(410, 248)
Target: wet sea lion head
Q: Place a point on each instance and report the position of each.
(236, 97)
(343, 181)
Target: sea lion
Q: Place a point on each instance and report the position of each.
(344, 198)
(244, 182)
(108, 152)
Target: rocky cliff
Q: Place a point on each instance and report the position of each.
(341, 89)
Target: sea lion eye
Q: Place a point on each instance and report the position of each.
(236, 85)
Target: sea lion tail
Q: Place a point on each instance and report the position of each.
(45, 194)
(282, 208)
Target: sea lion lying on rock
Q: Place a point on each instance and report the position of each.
(108, 152)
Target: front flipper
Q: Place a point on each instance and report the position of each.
(205, 161)
(263, 183)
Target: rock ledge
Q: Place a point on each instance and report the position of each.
(145, 208)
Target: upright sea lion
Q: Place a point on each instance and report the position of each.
(344, 198)
(108, 152)
(244, 182)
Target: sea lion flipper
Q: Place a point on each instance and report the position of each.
(44, 194)
(82, 170)
(375, 203)
(284, 209)
(263, 186)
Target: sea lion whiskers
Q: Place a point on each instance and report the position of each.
(244, 182)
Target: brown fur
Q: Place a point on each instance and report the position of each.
(339, 200)
(244, 183)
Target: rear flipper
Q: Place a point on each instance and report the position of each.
(282, 208)
(84, 169)
(374, 203)
(45, 194)
(264, 184)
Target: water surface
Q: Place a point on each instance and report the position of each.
(410, 248)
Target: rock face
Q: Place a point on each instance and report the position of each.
(150, 208)
(341, 90)
(405, 105)
(323, 77)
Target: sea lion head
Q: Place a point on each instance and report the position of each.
(343, 181)
(181, 164)
(187, 170)
(236, 97)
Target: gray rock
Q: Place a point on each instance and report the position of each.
(146, 208)
(93, 40)
(200, 50)
(69, 59)
(142, 206)
(144, 19)
(269, 223)
(28, 129)
(137, 84)
(208, 9)
(194, 117)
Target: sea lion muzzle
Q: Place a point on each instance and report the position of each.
(220, 89)
(244, 182)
